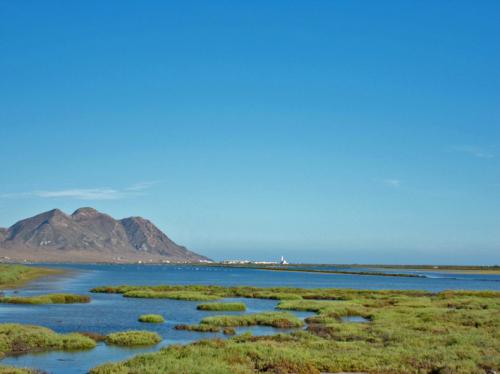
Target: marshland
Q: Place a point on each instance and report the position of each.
(286, 323)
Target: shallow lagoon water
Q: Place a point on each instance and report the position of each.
(112, 312)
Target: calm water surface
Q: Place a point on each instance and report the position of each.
(108, 312)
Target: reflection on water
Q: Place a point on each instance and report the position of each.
(109, 312)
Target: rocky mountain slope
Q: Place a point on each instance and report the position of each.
(90, 236)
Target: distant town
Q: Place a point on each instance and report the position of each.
(282, 261)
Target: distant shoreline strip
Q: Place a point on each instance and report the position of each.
(345, 272)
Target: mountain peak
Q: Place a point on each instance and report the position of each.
(55, 212)
(50, 215)
(86, 212)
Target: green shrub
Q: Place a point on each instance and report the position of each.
(16, 338)
(222, 307)
(151, 318)
(46, 299)
(133, 338)
(229, 331)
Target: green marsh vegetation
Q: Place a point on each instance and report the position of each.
(407, 332)
(17, 275)
(14, 370)
(151, 318)
(228, 331)
(222, 307)
(46, 299)
(274, 293)
(186, 296)
(94, 336)
(199, 328)
(16, 338)
(273, 319)
(133, 338)
(218, 323)
(206, 328)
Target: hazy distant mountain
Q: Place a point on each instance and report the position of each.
(89, 236)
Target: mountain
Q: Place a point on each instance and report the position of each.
(3, 233)
(88, 235)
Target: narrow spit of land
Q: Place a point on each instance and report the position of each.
(368, 270)
(13, 276)
(308, 269)
(442, 268)
(324, 271)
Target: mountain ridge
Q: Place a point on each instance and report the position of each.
(88, 235)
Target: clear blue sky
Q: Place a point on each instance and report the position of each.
(327, 131)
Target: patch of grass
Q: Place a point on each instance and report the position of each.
(274, 319)
(331, 310)
(151, 318)
(229, 331)
(133, 338)
(16, 338)
(17, 275)
(222, 307)
(307, 305)
(198, 328)
(46, 299)
(94, 336)
(276, 295)
(179, 295)
(409, 332)
(14, 370)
